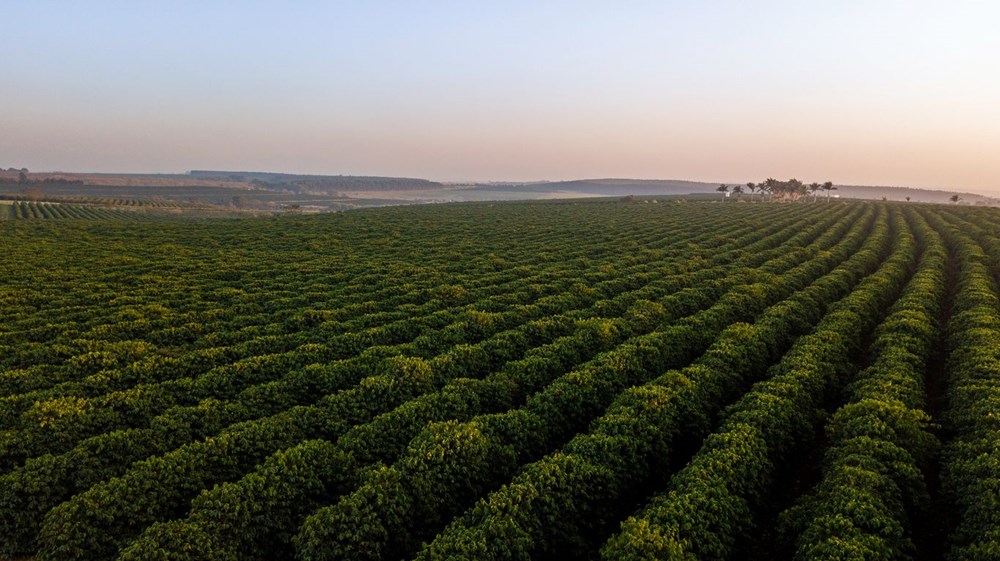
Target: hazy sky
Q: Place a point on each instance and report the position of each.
(871, 92)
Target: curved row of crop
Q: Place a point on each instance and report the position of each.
(346, 344)
(971, 458)
(57, 423)
(343, 345)
(345, 387)
(344, 297)
(100, 370)
(388, 315)
(332, 416)
(115, 443)
(386, 435)
(62, 475)
(54, 211)
(474, 326)
(353, 345)
(92, 361)
(355, 285)
(389, 515)
(562, 501)
(42, 482)
(871, 476)
(709, 506)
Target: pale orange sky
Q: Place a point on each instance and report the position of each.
(878, 93)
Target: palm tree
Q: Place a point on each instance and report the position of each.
(828, 186)
(778, 188)
(771, 184)
(753, 188)
(795, 188)
(737, 190)
(813, 187)
(724, 189)
(955, 199)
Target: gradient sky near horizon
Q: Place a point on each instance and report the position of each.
(859, 92)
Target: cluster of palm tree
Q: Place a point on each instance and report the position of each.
(771, 188)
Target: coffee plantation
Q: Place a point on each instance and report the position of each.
(576, 379)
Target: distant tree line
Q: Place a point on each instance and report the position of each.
(769, 189)
(23, 179)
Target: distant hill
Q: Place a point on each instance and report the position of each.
(614, 187)
(125, 180)
(323, 192)
(900, 194)
(618, 187)
(316, 183)
(282, 182)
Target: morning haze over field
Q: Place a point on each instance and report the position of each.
(862, 93)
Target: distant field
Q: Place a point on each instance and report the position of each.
(471, 194)
(279, 192)
(563, 379)
(14, 210)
